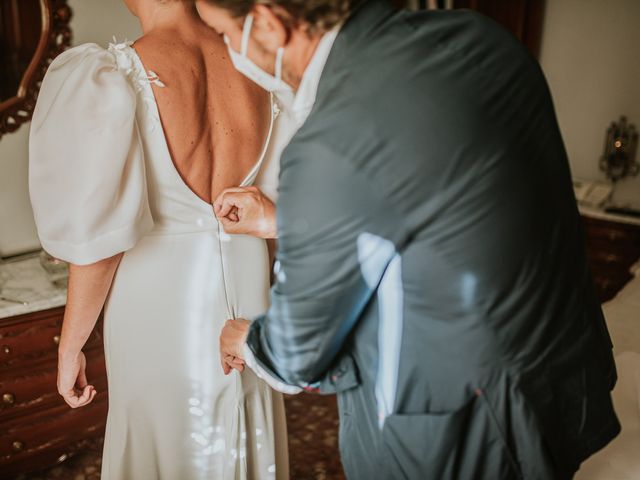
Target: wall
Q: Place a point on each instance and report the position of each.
(590, 54)
(93, 21)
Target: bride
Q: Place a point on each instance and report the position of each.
(128, 148)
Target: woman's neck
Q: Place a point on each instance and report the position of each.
(171, 15)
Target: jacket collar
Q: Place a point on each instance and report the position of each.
(354, 36)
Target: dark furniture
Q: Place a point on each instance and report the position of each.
(32, 34)
(613, 246)
(37, 428)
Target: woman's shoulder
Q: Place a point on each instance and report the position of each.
(84, 144)
(88, 78)
(87, 56)
(79, 51)
(118, 61)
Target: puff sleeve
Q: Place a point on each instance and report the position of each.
(86, 163)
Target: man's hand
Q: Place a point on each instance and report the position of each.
(246, 210)
(232, 338)
(72, 380)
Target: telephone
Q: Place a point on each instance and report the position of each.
(590, 193)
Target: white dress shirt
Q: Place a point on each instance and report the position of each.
(305, 97)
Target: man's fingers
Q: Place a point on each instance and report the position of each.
(231, 226)
(229, 199)
(234, 361)
(225, 206)
(228, 190)
(224, 361)
(225, 367)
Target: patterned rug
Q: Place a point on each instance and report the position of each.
(312, 421)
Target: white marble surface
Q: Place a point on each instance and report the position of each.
(29, 288)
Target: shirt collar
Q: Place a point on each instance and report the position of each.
(306, 95)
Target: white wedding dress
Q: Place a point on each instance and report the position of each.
(102, 181)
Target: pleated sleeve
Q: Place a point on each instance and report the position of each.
(86, 163)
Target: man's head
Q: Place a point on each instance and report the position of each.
(317, 15)
(295, 25)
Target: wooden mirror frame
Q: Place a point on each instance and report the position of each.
(55, 37)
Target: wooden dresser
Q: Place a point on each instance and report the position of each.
(37, 428)
(613, 246)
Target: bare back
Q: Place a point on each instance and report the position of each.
(215, 120)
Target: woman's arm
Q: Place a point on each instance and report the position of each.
(88, 289)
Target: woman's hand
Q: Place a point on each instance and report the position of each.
(72, 380)
(246, 210)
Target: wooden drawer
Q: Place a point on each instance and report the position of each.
(616, 235)
(28, 389)
(37, 428)
(51, 434)
(612, 248)
(35, 335)
(608, 285)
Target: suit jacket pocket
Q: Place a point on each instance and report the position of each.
(463, 444)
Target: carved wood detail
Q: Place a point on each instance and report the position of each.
(54, 39)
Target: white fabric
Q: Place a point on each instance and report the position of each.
(273, 382)
(87, 171)
(283, 130)
(381, 267)
(308, 89)
(620, 460)
(245, 65)
(100, 165)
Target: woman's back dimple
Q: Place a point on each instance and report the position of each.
(215, 121)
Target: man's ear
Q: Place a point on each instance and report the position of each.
(269, 29)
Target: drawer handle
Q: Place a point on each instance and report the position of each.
(8, 398)
(613, 236)
(56, 339)
(18, 446)
(6, 349)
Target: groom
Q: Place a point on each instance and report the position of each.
(431, 264)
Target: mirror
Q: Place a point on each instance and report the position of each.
(32, 34)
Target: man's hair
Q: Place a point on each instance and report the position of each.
(319, 15)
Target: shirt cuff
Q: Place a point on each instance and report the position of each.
(275, 383)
